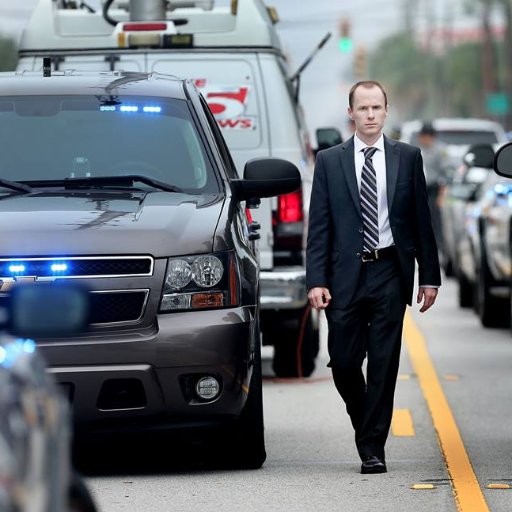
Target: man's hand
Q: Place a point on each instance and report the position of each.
(428, 296)
(319, 297)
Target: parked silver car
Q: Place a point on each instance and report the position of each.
(484, 252)
(457, 134)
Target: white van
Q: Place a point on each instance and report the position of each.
(234, 55)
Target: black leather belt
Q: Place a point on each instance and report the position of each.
(377, 254)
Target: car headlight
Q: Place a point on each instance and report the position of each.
(179, 274)
(204, 281)
(207, 271)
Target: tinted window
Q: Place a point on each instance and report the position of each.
(52, 138)
(458, 137)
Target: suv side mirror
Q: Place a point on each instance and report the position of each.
(327, 137)
(479, 155)
(266, 177)
(503, 161)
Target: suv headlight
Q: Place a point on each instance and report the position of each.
(204, 281)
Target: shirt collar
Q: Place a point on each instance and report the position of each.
(359, 145)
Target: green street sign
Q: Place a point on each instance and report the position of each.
(497, 103)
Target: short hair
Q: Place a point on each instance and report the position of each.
(427, 128)
(368, 84)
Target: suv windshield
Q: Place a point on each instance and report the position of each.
(58, 137)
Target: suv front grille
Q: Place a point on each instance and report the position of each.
(76, 267)
(118, 306)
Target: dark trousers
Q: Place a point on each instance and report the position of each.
(371, 326)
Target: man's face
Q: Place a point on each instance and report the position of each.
(368, 112)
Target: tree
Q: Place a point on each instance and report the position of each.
(400, 65)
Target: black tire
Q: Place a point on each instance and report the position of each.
(246, 442)
(296, 341)
(492, 311)
(465, 291)
(448, 267)
(79, 497)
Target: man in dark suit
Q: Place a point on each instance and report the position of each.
(369, 221)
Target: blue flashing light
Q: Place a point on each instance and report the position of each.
(107, 108)
(17, 269)
(59, 267)
(152, 110)
(129, 108)
(3, 355)
(29, 346)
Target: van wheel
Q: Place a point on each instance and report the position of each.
(296, 344)
(246, 444)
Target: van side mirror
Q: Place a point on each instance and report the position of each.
(503, 161)
(266, 177)
(327, 137)
(479, 155)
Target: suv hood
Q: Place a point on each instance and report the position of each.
(97, 222)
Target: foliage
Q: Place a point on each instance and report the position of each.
(427, 84)
(464, 80)
(8, 54)
(403, 69)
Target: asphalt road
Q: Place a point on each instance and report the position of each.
(312, 463)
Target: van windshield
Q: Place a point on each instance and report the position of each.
(59, 137)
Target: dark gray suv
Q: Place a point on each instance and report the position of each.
(123, 181)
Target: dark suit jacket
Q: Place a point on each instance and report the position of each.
(335, 236)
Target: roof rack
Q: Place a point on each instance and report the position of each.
(60, 24)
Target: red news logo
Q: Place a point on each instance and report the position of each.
(228, 105)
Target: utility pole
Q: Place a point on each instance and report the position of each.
(506, 7)
(489, 65)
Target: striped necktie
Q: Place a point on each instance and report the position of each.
(369, 204)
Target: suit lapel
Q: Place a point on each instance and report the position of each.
(392, 161)
(349, 170)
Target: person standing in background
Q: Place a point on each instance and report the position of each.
(435, 163)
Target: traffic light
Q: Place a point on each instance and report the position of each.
(360, 63)
(345, 43)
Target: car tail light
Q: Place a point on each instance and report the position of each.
(290, 207)
(288, 224)
(144, 27)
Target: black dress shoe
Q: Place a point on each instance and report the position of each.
(373, 465)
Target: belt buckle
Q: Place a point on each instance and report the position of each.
(370, 256)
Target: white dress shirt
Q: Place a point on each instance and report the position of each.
(379, 164)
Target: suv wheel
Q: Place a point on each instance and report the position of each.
(79, 497)
(246, 445)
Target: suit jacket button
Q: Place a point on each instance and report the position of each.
(358, 255)
(361, 230)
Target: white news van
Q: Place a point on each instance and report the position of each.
(235, 57)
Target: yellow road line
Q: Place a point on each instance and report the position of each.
(466, 489)
(401, 424)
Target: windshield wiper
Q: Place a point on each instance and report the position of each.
(14, 185)
(106, 181)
